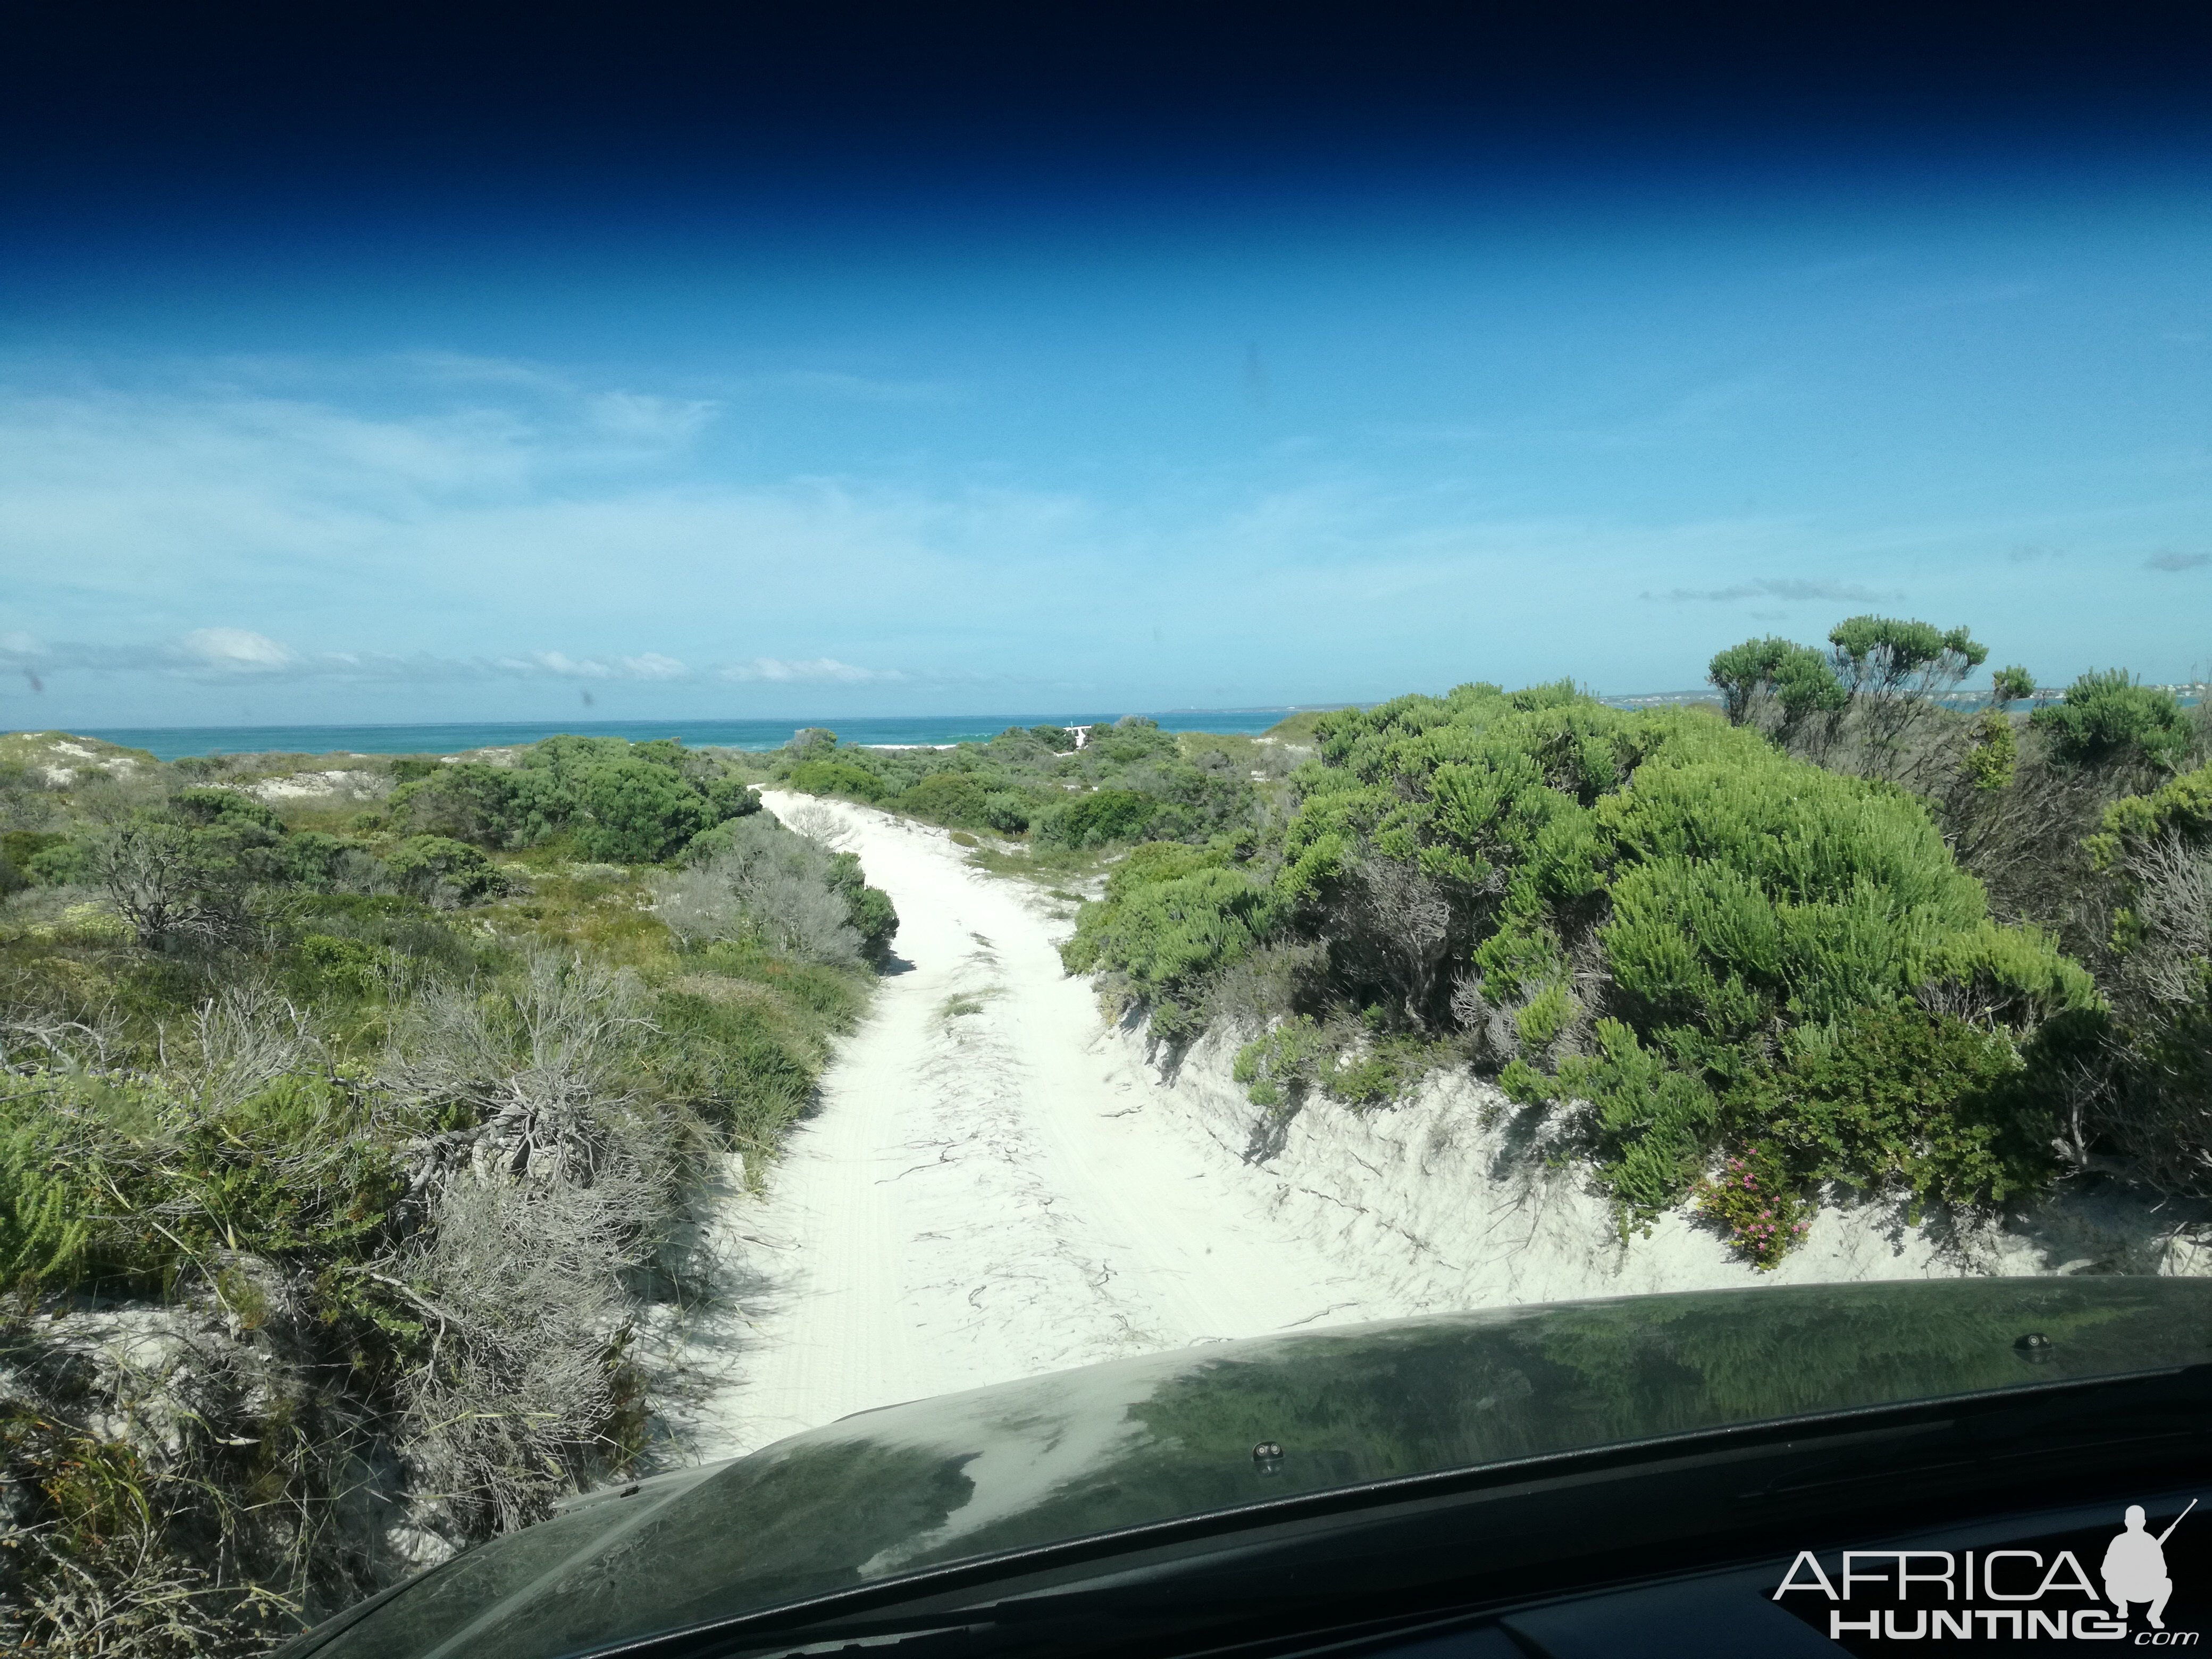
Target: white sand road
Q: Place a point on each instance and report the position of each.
(981, 1196)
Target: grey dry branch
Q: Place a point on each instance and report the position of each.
(766, 884)
(523, 1286)
(543, 1072)
(2171, 879)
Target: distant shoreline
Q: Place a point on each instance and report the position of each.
(874, 732)
(450, 738)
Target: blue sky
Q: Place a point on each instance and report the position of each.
(1004, 439)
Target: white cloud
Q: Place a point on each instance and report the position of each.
(237, 649)
(651, 665)
(820, 671)
(213, 653)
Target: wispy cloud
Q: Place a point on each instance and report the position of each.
(234, 650)
(2178, 560)
(651, 665)
(233, 653)
(1785, 588)
(821, 671)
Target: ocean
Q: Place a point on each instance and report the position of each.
(169, 742)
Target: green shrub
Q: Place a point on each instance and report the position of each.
(624, 803)
(1171, 916)
(467, 801)
(1389, 1070)
(443, 872)
(1278, 1067)
(120, 1184)
(2110, 717)
(1008, 812)
(2182, 807)
(1889, 656)
(1129, 741)
(1895, 1097)
(632, 811)
(870, 909)
(1544, 1015)
(735, 1064)
(958, 799)
(1796, 678)
(1103, 817)
(1992, 750)
(22, 849)
(1651, 1122)
(838, 777)
(327, 969)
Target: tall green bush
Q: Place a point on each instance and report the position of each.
(2109, 716)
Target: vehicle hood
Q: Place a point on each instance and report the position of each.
(1139, 1442)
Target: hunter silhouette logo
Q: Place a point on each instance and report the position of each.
(2134, 1566)
(2013, 1593)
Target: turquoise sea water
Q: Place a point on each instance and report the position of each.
(167, 743)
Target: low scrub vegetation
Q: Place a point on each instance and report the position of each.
(344, 1137)
(1840, 936)
(1125, 783)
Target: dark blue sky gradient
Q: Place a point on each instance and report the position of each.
(363, 362)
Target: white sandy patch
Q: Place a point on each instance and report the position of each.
(317, 785)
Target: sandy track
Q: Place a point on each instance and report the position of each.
(982, 1194)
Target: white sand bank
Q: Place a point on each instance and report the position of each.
(1450, 1201)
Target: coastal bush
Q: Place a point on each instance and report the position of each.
(468, 801)
(1131, 781)
(632, 811)
(1170, 916)
(1278, 1067)
(1849, 1103)
(620, 803)
(2110, 717)
(2154, 1072)
(753, 878)
(838, 777)
(957, 799)
(1098, 818)
(868, 910)
(1796, 679)
(1992, 752)
(1633, 913)
(1008, 811)
(443, 871)
(1758, 1205)
(1868, 705)
(389, 1185)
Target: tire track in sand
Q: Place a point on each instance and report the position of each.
(981, 1196)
